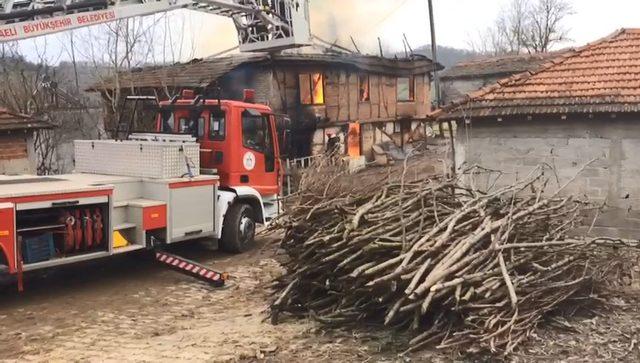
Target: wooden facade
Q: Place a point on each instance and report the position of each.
(276, 78)
(382, 116)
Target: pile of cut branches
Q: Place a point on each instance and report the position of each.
(446, 263)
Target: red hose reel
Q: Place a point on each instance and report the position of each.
(83, 229)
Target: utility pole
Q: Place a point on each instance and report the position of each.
(434, 55)
(436, 86)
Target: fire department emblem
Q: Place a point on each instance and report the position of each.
(249, 161)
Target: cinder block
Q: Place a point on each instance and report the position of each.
(595, 194)
(593, 172)
(532, 160)
(601, 183)
(555, 142)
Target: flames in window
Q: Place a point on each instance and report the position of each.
(364, 88)
(311, 88)
(318, 88)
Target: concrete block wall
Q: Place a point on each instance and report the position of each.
(516, 147)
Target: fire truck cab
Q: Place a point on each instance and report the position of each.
(239, 143)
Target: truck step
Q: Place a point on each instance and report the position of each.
(191, 268)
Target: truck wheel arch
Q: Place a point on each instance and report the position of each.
(255, 204)
(251, 197)
(229, 196)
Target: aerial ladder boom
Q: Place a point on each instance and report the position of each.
(262, 25)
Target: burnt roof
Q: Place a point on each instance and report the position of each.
(12, 121)
(201, 73)
(603, 76)
(499, 66)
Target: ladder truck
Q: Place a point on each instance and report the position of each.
(211, 168)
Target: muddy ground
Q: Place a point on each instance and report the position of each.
(131, 309)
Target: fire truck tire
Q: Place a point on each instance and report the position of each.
(238, 229)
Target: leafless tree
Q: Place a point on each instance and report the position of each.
(107, 51)
(121, 47)
(115, 48)
(21, 93)
(511, 26)
(532, 26)
(544, 27)
(34, 88)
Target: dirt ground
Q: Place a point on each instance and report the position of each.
(131, 309)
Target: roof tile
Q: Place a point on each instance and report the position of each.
(603, 76)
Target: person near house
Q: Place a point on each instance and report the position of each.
(333, 143)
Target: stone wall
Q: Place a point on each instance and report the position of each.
(516, 147)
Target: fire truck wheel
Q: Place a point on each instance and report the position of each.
(239, 229)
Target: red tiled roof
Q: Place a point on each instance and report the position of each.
(603, 76)
(501, 66)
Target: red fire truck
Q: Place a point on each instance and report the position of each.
(145, 191)
(211, 169)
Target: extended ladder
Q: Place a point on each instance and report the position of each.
(262, 25)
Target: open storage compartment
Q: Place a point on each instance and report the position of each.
(134, 222)
(61, 231)
(126, 238)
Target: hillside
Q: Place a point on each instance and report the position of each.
(447, 56)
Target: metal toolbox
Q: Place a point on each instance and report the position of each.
(144, 159)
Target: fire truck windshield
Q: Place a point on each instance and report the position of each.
(167, 122)
(190, 123)
(191, 127)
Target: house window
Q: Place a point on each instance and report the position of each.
(397, 127)
(311, 88)
(406, 89)
(363, 86)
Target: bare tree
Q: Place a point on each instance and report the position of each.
(121, 47)
(98, 55)
(22, 93)
(545, 25)
(532, 26)
(511, 26)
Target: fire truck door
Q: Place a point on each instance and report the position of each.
(259, 158)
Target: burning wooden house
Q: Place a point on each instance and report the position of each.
(364, 99)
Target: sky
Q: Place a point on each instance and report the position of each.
(458, 22)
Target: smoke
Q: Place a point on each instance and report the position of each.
(364, 20)
(331, 20)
